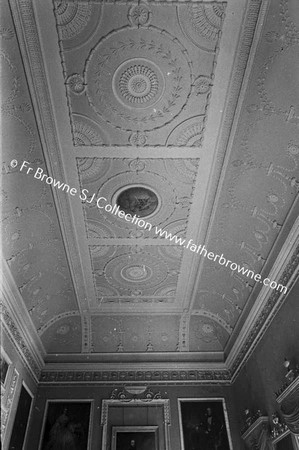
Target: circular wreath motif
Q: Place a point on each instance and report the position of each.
(138, 69)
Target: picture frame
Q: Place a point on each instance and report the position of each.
(121, 403)
(67, 420)
(135, 438)
(20, 427)
(204, 424)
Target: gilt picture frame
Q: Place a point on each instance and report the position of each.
(204, 424)
(135, 437)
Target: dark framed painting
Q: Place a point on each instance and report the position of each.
(67, 424)
(204, 424)
(20, 425)
(135, 438)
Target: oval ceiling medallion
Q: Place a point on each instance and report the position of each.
(138, 200)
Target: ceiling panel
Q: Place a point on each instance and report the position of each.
(183, 115)
(144, 77)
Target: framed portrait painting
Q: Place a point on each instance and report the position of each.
(204, 424)
(19, 431)
(66, 425)
(135, 438)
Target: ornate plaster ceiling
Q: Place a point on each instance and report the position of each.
(184, 113)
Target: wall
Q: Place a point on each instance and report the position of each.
(98, 393)
(264, 374)
(10, 392)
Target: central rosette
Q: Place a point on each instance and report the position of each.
(138, 83)
(138, 79)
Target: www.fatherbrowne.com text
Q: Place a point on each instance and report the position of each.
(102, 204)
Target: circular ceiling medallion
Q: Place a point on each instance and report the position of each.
(153, 182)
(138, 200)
(138, 83)
(136, 273)
(140, 271)
(138, 79)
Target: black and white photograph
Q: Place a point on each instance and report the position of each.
(150, 223)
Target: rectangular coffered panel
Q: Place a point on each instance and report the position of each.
(143, 78)
(158, 191)
(173, 113)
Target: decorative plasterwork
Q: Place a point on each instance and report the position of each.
(21, 332)
(19, 343)
(6, 406)
(140, 376)
(249, 217)
(270, 307)
(125, 399)
(33, 246)
(141, 80)
(216, 311)
(26, 28)
(289, 406)
(125, 394)
(257, 436)
(171, 180)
